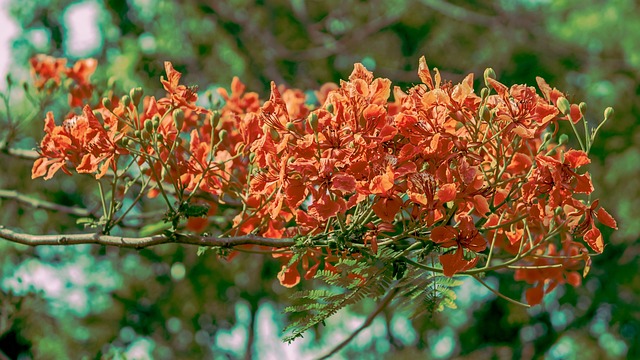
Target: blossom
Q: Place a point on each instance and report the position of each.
(464, 236)
(81, 141)
(81, 89)
(179, 95)
(587, 227)
(45, 68)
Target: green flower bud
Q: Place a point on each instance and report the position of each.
(484, 93)
(485, 114)
(98, 115)
(274, 134)
(126, 100)
(137, 134)
(216, 119)
(583, 108)
(564, 106)
(223, 134)
(136, 95)
(178, 118)
(106, 102)
(563, 139)
(155, 121)
(291, 126)
(148, 126)
(608, 113)
(489, 73)
(313, 122)
(252, 157)
(330, 108)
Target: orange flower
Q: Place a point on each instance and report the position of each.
(465, 236)
(81, 141)
(81, 89)
(45, 68)
(179, 95)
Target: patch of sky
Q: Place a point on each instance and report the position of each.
(83, 37)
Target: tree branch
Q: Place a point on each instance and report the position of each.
(43, 204)
(19, 153)
(383, 304)
(141, 242)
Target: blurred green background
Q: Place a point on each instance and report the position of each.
(168, 303)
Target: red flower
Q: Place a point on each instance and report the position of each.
(179, 95)
(81, 89)
(45, 68)
(465, 236)
(587, 228)
(81, 141)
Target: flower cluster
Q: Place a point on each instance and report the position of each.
(48, 72)
(477, 177)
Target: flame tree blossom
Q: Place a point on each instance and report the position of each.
(474, 181)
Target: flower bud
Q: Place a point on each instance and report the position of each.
(223, 134)
(155, 121)
(489, 73)
(136, 95)
(563, 139)
(291, 126)
(126, 100)
(484, 93)
(608, 113)
(178, 118)
(9, 80)
(485, 114)
(313, 122)
(137, 134)
(252, 157)
(275, 135)
(106, 102)
(564, 106)
(148, 126)
(216, 119)
(583, 108)
(330, 108)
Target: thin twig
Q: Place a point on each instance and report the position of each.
(43, 204)
(499, 294)
(20, 153)
(140, 242)
(383, 304)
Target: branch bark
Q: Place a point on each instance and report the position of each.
(43, 204)
(140, 242)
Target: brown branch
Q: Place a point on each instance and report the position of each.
(141, 242)
(43, 204)
(383, 304)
